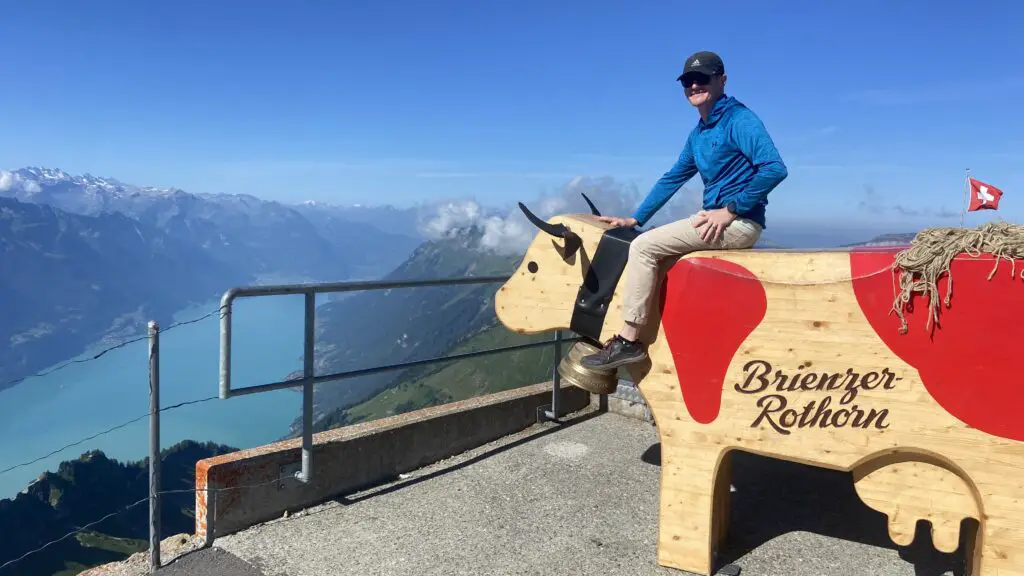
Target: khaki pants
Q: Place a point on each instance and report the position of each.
(674, 239)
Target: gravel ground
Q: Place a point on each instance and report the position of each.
(582, 499)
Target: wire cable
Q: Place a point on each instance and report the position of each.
(95, 357)
(99, 354)
(107, 431)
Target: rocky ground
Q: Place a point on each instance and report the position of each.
(138, 564)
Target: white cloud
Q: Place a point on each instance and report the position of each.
(505, 234)
(12, 181)
(508, 231)
(450, 216)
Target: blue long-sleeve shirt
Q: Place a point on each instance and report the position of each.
(737, 161)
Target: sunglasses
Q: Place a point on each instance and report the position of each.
(691, 78)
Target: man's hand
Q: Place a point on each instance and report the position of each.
(717, 221)
(619, 222)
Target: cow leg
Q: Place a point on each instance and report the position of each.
(694, 505)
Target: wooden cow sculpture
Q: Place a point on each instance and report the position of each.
(797, 355)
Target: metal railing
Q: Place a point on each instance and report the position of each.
(309, 379)
(550, 412)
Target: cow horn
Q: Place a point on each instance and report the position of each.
(593, 209)
(557, 230)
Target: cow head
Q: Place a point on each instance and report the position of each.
(540, 295)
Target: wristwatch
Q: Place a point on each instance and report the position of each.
(731, 207)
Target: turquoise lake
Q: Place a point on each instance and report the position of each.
(45, 413)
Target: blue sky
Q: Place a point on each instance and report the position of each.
(873, 103)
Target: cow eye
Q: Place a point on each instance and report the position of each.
(532, 267)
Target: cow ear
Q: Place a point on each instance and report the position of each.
(573, 243)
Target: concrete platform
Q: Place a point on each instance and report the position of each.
(580, 499)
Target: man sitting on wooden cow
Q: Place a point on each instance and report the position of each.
(739, 165)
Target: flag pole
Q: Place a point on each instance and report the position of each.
(967, 195)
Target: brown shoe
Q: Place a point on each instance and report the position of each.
(617, 352)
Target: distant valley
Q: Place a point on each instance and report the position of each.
(70, 280)
(90, 259)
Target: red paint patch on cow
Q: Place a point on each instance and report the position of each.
(711, 306)
(970, 363)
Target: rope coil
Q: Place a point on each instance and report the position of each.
(932, 251)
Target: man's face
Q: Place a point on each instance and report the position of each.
(701, 88)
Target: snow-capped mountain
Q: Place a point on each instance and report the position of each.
(265, 237)
(80, 194)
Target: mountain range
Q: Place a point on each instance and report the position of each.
(253, 235)
(70, 280)
(90, 260)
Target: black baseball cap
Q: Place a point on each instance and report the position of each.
(703, 62)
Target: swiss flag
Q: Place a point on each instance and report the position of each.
(983, 196)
